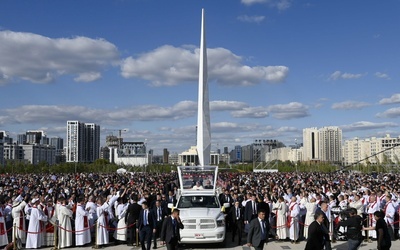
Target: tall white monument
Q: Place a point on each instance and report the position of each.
(203, 115)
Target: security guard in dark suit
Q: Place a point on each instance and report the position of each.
(236, 214)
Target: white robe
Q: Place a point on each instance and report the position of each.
(311, 207)
(281, 229)
(120, 232)
(293, 215)
(19, 221)
(102, 224)
(65, 230)
(371, 209)
(82, 234)
(92, 214)
(3, 230)
(389, 213)
(34, 237)
(48, 235)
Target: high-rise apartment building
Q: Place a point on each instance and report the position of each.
(21, 139)
(1, 151)
(36, 137)
(310, 144)
(324, 144)
(92, 142)
(330, 144)
(58, 143)
(83, 142)
(165, 156)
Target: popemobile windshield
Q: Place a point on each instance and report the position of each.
(200, 210)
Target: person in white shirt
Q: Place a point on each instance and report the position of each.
(358, 205)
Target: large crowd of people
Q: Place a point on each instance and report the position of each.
(66, 210)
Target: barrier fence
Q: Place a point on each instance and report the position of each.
(17, 243)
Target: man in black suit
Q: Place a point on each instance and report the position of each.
(226, 198)
(170, 234)
(131, 218)
(236, 215)
(146, 226)
(315, 237)
(171, 198)
(257, 235)
(323, 209)
(250, 210)
(159, 213)
(262, 205)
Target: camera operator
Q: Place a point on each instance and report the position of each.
(354, 227)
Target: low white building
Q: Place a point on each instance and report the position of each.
(285, 154)
(190, 157)
(372, 150)
(130, 154)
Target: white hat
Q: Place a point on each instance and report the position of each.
(34, 200)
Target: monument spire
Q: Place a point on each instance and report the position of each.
(203, 115)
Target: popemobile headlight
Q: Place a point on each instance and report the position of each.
(221, 223)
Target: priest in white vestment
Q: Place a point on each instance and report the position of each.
(311, 207)
(293, 220)
(19, 219)
(91, 206)
(48, 236)
(121, 230)
(3, 230)
(65, 228)
(280, 207)
(102, 222)
(34, 237)
(82, 229)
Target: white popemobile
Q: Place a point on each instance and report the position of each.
(200, 210)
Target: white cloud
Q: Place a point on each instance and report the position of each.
(228, 127)
(251, 2)
(42, 114)
(42, 59)
(251, 19)
(365, 125)
(348, 105)
(382, 75)
(88, 77)
(390, 113)
(339, 75)
(279, 4)
(224, 67)
(251, 112)
(46, 114)
(287, 129)
(289, 111)
(227, 105)
(394, 99)
(283, 4)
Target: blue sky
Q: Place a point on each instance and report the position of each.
(275, 67)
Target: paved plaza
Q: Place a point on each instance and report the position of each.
(339, 245)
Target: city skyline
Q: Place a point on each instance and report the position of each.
(275, 67)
